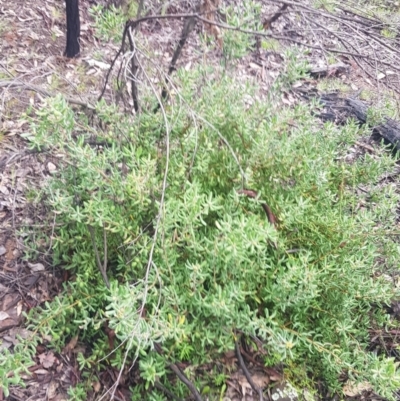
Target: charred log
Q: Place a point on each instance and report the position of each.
(73, 28)
(339, 109)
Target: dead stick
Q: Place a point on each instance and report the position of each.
(265, 34)
(251, 32)
(105, 251)
(134, 70)
(267, 23)
(181, 376)
(186, 381)
(170, 394)
(188, 27)
(121, 49)
(247, 373)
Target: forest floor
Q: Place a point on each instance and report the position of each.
(32, 67)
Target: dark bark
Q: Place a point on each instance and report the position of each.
(339, 109)
(331, 70)
(188, 27)
(388, 128)
(73, 28)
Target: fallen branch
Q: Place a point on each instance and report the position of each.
(369, 63)
(339, 109)
(181, 376)
(257, 389)
(330, 70)
(186, 381)
(199, 17)
(170, 394)
(120, 50)
(389, 129)
(267, 23)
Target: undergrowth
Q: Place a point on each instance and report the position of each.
(205, 266)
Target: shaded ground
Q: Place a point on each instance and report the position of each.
(32, 37)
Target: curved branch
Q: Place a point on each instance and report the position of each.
(247, 373)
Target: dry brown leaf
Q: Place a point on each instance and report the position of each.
(71, 345)
(352, 389)
(52, 389)
(20, 305)
(36, 267)
(96, 386)
(4, 315)
(260, 379)
(275, 377)
(10, 300)
(47, 359)
(7, 324)
(41, 372)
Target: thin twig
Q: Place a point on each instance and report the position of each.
(120, 50)
(186, 381)
(134, 70)
(267, 23)
(150, 262)
(252, 32)
(190, 17)
(170, 394)
(247, 373)
(188, 27)
(182, 377)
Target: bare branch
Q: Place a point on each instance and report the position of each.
(188, 27)
(182, 377)
(257, 389)
(134, 71)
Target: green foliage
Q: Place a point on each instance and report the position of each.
(109, 22)
(270, 44)
(77, 393)
(245, 16)
(129, 8)
(220, 379)
(15, 363)
(389, 33)
(152, 368)
(327, 5)
(307, 287)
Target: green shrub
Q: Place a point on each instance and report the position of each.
(195, 271)
(109, 22)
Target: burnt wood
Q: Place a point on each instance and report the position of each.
(330, 70)
(73, 28)
(388, 128)
(339, 109)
